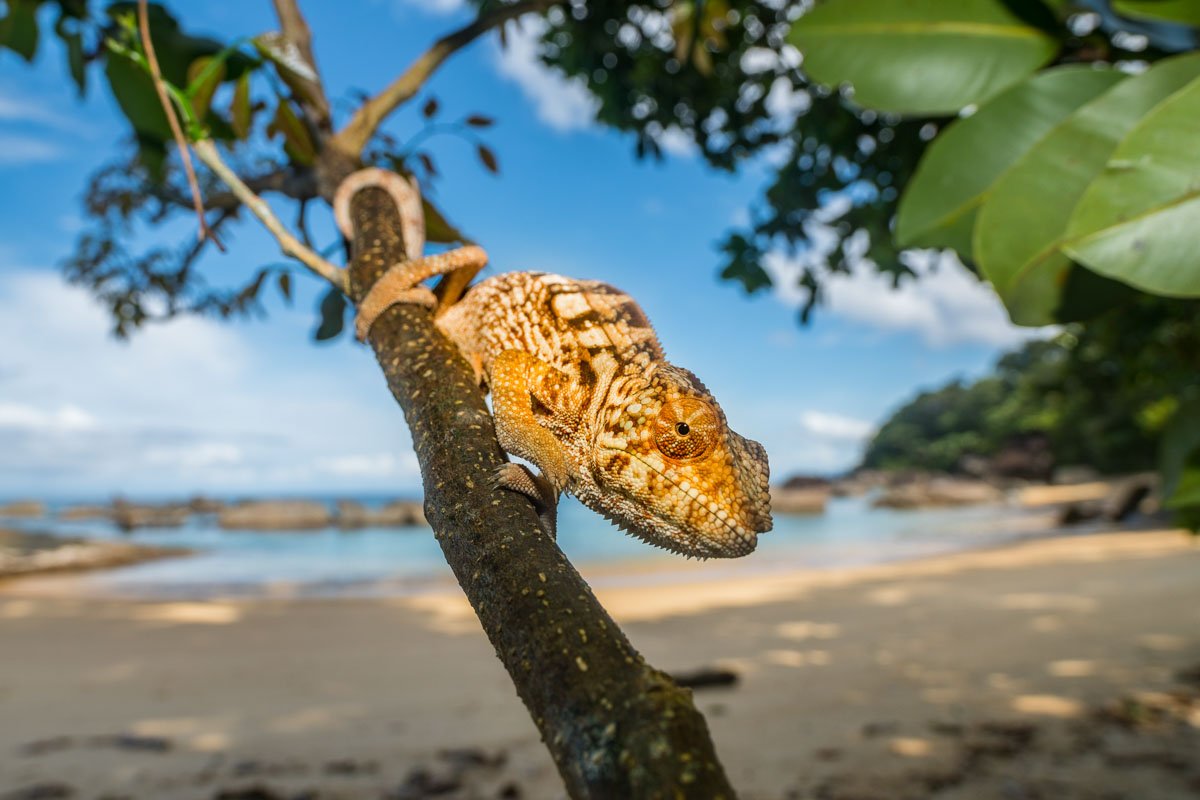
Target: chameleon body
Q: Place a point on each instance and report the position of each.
(581, 389)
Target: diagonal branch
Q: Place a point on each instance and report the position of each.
(207, 152)
(297, 33)
(362, 126)
(615, 726)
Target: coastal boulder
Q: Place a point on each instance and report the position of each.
(811, 500)
(275, 515)
(939, 492)
(85, 512)
(398, 514)
(132, 516)
(23, 508)
(351, 515)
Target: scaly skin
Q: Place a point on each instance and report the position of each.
(582, 390)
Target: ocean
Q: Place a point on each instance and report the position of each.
(400, 561)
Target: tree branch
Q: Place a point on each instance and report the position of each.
(207, 152)
(297, 33)
(616, 727)
(362, 126)
(173, 120)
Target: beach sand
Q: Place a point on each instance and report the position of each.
(1065, 668)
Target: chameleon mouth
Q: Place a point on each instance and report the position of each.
(734, 540)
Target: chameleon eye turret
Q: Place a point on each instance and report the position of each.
(685, 429)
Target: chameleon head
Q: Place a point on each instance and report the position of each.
(671, 472)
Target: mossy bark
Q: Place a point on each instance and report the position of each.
(615, 726)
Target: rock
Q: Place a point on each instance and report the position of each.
(130, 741)
(806, 482)
(799, 501)
(130, 516)
(41, 791)
(939, 492)
(1027, 456)
(1075, 513)
(351, 515)
(275, 515)
(1074, 473)
(397, 514)
(1127, 496)
(23, 508)
(204, 505)
(858, 483)
(81, 513)
(706, 677)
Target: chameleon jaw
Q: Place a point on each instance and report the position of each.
(719, 538)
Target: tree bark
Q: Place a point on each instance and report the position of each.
(615, 726)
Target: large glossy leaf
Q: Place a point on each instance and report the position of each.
(1139, 222)
(1186, 12)
(1179, 462)
(19, 30)
(939, 205)
(1022, 223)
(919, 56)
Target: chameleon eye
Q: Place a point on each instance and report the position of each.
(686, 429)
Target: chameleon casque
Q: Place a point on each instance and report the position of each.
(581, 389)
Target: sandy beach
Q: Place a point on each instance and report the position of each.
(1066, 668)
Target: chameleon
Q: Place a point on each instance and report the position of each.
(582, 390)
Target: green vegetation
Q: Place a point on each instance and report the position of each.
(1107, 394)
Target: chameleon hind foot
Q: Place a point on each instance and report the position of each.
(519, 478)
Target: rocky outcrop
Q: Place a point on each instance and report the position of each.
(85, 513)
(275, 515)
(810, 500)
(133, 516)
(1120, 499)
(28, 509)
(24, 553)
(939, 492)
(398, 514)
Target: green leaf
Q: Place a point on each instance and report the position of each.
(293, 69)
(437, 229)
(333, 316)
(74, 45)
(1022, 223)
(951, 182)
(134, 92)
(1186, 12)
(919, 56)
(489, 159)
(204, 76)
(296, 139)
(19, 30)
(241, 112)
(1139, 222)
(1179, 461)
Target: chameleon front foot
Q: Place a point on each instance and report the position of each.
(519, 478)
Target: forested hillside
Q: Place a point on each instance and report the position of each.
(1102, 393)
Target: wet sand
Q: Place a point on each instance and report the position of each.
(1058, 667)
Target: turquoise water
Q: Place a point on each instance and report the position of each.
(406, 560)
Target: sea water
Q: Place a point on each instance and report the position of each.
(376, 561)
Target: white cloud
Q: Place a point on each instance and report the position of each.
(945, 306)
(18, 149)
(439, 7)
(677, 143)
(836, 426)
(563, 104)
(14, 108)
(370, 464)
(65, 419)
(192, 405)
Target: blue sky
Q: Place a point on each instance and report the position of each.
(253, 406)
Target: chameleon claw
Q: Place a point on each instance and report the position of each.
(519, 478)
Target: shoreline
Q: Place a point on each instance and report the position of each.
(873, 682)
(1000, 526)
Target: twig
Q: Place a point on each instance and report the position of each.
(362, 126)
(297, 33)
(207, 152)
(144, 26)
